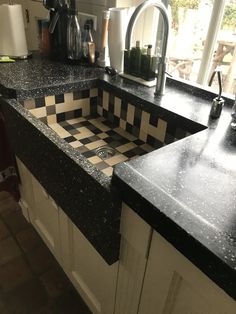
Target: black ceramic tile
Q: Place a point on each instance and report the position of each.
(153, 120)
(50, 110)
(89, 154)
(39, 102)
(138, 142)
(93, 105)
(70, 115)
(78, 113)
(111, 104)
(85, 141)
(123, 114)
(69, 139)
(59, 98)
(61, 117)
(129, 128)
(116, 120)
(44, 120)
(81, 94)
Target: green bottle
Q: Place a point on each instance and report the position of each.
(147, 72)
(127, 61)
(135, 59)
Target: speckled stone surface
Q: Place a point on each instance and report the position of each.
(38, 77)
(185, 190)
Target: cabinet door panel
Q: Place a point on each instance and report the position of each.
(45, 218)
(135, 241)
(26, 190)
(94, 279)
(173, 285)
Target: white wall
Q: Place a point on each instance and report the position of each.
(97, 7)
(143, 29)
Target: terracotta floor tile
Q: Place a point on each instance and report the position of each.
(28, 239)
(13, 274)
(40, 259)
(48, 309)
(8, 205)
(55, 282)
(16, 221)
(4, 195)
(27, 298)
(4, 233)
(8, 250)
(71, 303)
(3, 309)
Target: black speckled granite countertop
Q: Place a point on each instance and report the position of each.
(38, 77)
(191, 200)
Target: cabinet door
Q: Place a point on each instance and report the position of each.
(135, 241)
(26, 190)
(44, 217)
(93, 278)
(173, 285)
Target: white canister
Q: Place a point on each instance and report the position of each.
(119, 18)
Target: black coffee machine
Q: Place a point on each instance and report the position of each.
(59, 10)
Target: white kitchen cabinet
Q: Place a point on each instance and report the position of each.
(44, 216)
(135, 241)
(40, 209)
(155, 278)
(151, 277)
(26, 189)
(173, 285)
(94, 279)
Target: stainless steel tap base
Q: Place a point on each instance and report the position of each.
(216, 107)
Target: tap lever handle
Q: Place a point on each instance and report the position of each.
(233, 113)
(219, 77)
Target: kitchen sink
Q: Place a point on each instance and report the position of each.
(106, 129)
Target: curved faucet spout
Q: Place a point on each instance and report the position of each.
(161, 63)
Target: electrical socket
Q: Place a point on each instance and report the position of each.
(83, 17)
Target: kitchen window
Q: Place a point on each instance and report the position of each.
(202, 38)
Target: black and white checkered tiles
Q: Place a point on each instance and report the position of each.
(52, 109)
(89, 133)
(93, 118)
(148, 127)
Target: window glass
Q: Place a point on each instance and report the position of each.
(225, 50)
(189, 25)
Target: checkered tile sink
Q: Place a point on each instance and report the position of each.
(89, 133)
(94, 118)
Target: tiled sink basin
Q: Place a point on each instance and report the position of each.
(94, 135)
(106, 129)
